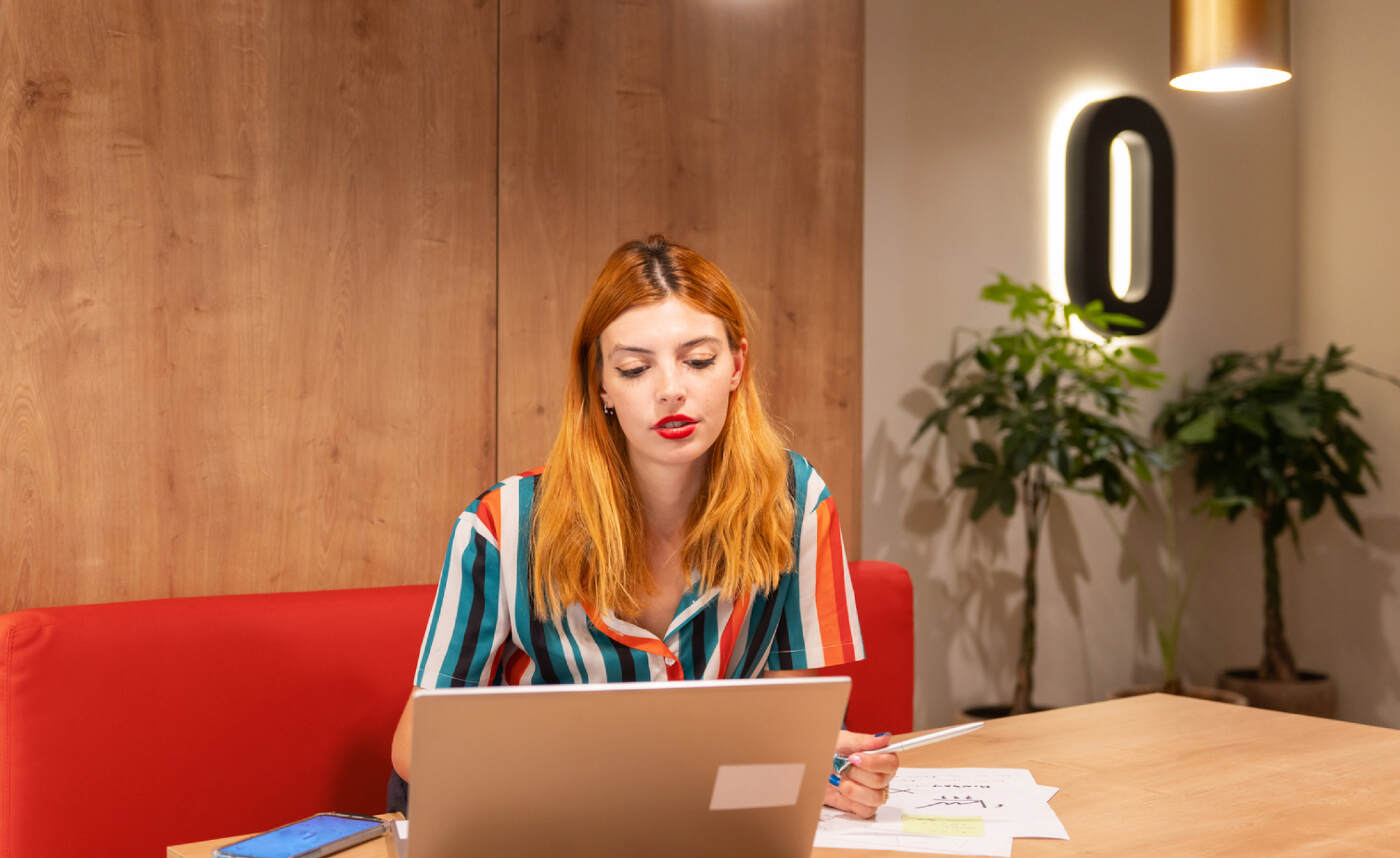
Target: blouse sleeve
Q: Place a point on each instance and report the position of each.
(469, 623)
(819, 622)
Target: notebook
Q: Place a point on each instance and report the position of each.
(706, 767)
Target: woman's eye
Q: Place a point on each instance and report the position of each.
(701, 363)
(632, 372)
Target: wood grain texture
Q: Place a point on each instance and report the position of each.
(1166, 775)
(731, 127)
(247, 309)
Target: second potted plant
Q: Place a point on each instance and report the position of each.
(1270, 436)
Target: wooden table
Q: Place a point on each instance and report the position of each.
(1163, 775)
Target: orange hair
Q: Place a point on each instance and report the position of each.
(588, 536)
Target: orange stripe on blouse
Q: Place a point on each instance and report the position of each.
(515, 668)
(651, 645)
(830, 598)
(838, 582)
(488, 512)
(730, 635)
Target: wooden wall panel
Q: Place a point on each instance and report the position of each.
(247, 292)
(732, 127)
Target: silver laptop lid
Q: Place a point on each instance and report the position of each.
(711, 767)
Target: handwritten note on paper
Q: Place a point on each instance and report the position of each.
(967, 811)
(943, 826)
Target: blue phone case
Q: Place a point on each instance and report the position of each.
(322, 834)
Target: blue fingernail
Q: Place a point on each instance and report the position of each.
(834, 780)
(886, 733)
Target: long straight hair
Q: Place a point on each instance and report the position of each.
(588, 542)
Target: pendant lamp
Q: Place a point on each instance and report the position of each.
(1227, 45)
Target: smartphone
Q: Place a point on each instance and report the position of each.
(311, 837)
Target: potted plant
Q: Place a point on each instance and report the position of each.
(1269, 435)
(1052, 409)
(1166, 599)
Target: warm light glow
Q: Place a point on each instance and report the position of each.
(1120, 217)
(1230, 79)
(1055, 176)
(1129, 216)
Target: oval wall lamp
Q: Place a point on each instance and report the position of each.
(1150, 211)
(1228, 45)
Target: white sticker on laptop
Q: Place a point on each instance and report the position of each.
(741, 787)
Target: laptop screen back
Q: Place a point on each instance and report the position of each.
(719, 767)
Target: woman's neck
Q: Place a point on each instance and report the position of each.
(667, 493)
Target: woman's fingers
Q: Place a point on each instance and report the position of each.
(872, 770)
(854, 798)
(874, 762)
(864, 785)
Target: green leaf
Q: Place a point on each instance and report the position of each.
(1314, 493)
(1146, 356)
(986, 496)
(985, 453)
(1121, 320)
(1198, 431)
(1291, 420)
(1249, 419)
(971, 477)
(1344, 510)
(1006, 498)
(1111, 481)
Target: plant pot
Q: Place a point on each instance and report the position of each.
(988, 713)
(1313, 694)
(1200, 692)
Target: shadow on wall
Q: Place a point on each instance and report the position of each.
(1336, 596)
(1342, 590)
(967, 583)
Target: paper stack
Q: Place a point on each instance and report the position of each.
(950, 812)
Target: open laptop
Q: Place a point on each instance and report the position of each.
(707, 767)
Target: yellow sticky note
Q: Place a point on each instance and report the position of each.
(944, 826)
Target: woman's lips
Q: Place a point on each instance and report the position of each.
(675, 427)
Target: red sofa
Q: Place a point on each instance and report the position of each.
(130, 726)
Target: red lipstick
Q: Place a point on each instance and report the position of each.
(675, 427)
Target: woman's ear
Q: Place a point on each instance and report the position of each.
(741, 357)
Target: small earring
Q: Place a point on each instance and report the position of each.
(609, 410)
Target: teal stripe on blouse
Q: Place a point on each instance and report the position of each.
(792, 606)
(437, 612)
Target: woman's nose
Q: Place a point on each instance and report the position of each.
(671, 389)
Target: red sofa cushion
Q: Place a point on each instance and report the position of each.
(108, 714)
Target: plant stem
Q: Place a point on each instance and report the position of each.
(1036, 491)
(1278, 658)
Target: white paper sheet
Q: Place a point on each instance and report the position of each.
(950, 811)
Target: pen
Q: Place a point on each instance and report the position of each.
(842, 763)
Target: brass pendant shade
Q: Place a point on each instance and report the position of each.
(1225, 45)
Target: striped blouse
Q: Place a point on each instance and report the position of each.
(482, 630)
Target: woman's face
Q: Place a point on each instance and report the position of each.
(668, 370)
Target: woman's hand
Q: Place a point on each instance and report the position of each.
(866, 783)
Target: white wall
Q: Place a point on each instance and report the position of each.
(1346, 54)
(961, 98)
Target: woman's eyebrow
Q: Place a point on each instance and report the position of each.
(688, 344)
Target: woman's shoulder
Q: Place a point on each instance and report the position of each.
(509, 500)
(804, 482)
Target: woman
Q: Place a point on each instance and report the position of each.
(669, 535)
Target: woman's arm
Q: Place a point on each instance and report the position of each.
(403, 739)
(865, 785)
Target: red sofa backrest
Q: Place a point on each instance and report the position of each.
(128, 727)
(131, 726)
